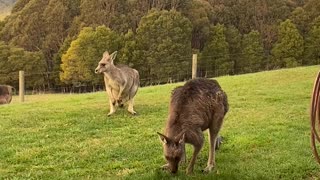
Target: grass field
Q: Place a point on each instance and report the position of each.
(70, 137)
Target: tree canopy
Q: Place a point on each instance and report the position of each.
(289, 47)
(79, 62)
(156, 36)
(163, 42)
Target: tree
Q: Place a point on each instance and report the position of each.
(128, 49)
(288, 49)
(5, 69)
(25, 28)
(163, 44)
(312, 9)
(13, 59)
(57, 60)
(79, 62)
(34, 66)
(199, 14)
(19, 5)
(301, 19)
(112, 13)
(215, 55)
(252, 53)
(312, 48)
(56, 21)
(233, 38)
(49, 26)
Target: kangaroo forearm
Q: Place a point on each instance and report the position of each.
(121, 91)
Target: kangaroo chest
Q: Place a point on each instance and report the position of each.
(113, 84)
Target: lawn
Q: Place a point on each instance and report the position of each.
(69, 136)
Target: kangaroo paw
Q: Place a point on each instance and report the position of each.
(110, 113)
(189, 171)
(165, 167)
(208, 169)
(133, 113)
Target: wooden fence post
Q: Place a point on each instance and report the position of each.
(194, 65)
(21, 86)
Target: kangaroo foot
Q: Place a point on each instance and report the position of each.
(219, 142)
(132, 112)
(189, 171)
(165, 167)
(110, 113)
(208, 168)
(183, 161)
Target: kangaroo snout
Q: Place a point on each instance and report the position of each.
(174, 171)
(96, 71)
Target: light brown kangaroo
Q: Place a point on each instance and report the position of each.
(198, 105)
(121, 81)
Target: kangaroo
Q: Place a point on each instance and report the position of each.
(198, 105)
(121, 81)
(5, 94)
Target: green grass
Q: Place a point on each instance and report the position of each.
(70, 137)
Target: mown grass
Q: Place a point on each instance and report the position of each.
(70, 137)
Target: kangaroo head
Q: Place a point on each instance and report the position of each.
(106, 62)
(173, 150)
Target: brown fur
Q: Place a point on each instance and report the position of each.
(5, 94)
(121, 81)
(198, 105)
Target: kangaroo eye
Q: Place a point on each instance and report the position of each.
(103, 65)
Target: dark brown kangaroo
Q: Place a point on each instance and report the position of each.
(5, 94)
(198, 105)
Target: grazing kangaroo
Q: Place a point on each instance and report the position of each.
(198, 105)
(121, 81)
(5, 94)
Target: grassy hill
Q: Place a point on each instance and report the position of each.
(69, 136)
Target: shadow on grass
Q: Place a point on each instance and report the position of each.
(161, 174)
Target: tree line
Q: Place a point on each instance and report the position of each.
(59, 42)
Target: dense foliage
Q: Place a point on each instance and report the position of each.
(158, 37)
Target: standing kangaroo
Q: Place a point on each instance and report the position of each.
(198, 105)
(121, 81)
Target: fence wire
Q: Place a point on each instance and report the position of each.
(49, 82)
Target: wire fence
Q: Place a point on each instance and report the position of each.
(163, 73)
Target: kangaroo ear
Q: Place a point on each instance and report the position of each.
(106, 53)
(163, 138)
(113, 55)
(182, 139)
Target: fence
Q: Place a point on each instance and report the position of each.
(21, 81)
(36, 82)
